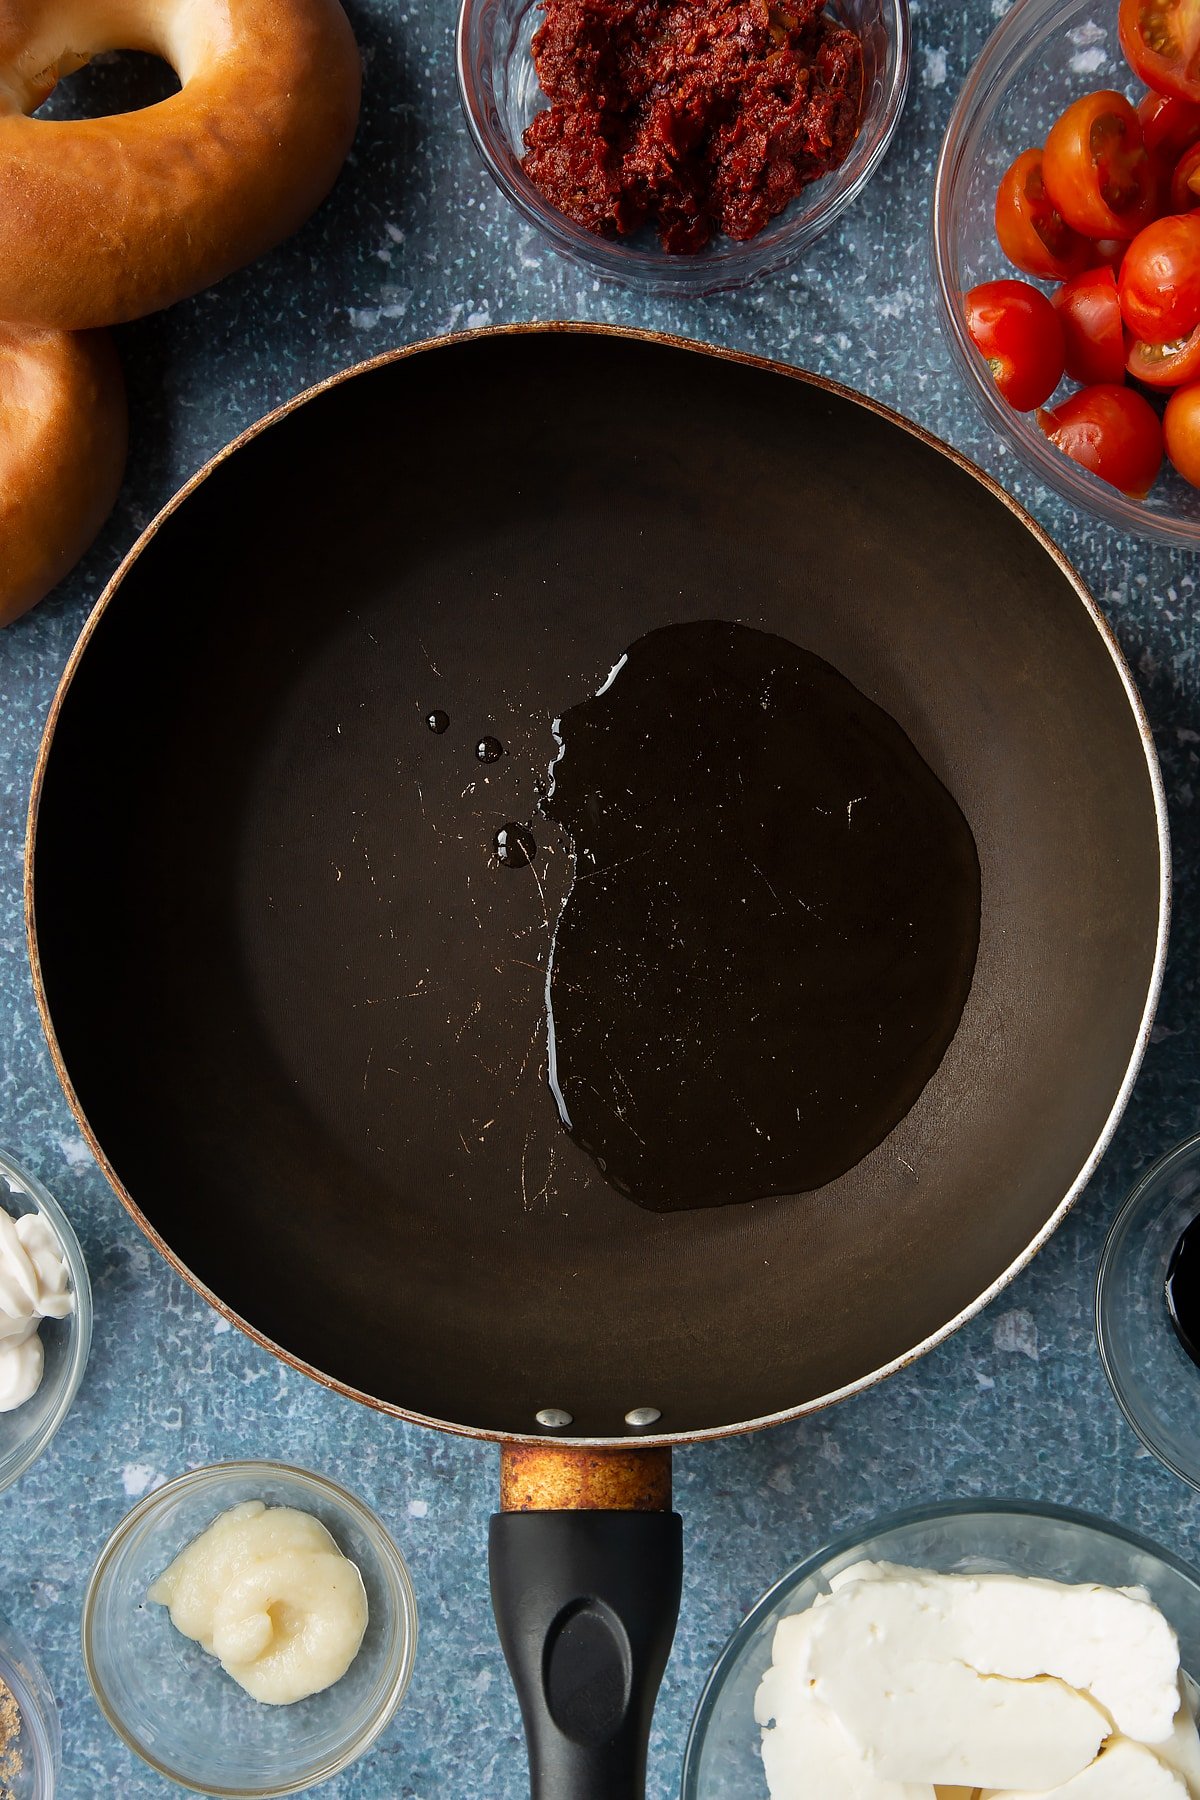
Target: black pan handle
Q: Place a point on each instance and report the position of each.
(586, 1605)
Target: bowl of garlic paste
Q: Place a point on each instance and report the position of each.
(249, 1629)
(974, 1651)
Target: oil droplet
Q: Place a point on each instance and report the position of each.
(515, 847)
(489, 749)
(437, 721)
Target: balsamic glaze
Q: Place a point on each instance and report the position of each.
(1183, 1289)
(773, 923)
(514, 846)
(489, 749)
(437, 720)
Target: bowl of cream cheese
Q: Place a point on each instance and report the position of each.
(975, 1651)
(249, 1629)
(45, 1318)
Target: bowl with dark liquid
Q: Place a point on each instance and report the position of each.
(500, 94)
(1148, 1309)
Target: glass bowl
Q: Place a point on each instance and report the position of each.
(174, 1704)
(30, 1765)
(1043, 55)
(500, 94)
(1156, 1383)
(722, 1760)
(25, 1433)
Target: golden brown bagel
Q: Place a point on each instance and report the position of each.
(63, 436)
(103, 220)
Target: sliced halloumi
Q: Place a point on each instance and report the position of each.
(1124, 1771)
(937, 1722)
(807, 1755)
(1110, 1643)
(1181, 1752)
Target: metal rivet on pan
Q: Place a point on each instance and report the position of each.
(554, 1418)
(643, 1415)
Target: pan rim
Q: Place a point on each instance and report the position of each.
(824, 384)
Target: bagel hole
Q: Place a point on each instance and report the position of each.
(116, 81)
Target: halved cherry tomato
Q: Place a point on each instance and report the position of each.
(1015, 327)
(1181, 432)
(1096, 169)
(1185, 182)
(1093, 337)
(1112, 431)
(1161, 41)
(1169, 125)
(1030, 228)
(1159, 282)
(1165, 365)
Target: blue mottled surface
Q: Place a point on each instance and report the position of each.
(415, 242)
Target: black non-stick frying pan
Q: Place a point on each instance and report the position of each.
(299, 1005)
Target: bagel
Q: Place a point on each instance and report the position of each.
(104, 220)
(63, 435)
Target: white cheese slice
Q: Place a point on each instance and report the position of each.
(807, 1754)
(1110, 1643)
(1124, 1771)
(1181, 1752)
(932, 1722)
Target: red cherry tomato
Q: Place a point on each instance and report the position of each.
(1113, 432)
(1165, 365)
(1159, 282)
(1161, 41)
(1169, 125)
(1030, 228)
(1093, 336)
(1185, 182)
(1015, 327)
(1096, 169)
(1181, 432)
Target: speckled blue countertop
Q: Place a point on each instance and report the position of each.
(416, 242)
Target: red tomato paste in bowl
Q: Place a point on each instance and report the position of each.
(694, 116)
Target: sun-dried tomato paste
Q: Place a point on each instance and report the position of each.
(698, 116)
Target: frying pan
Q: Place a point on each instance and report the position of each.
(298, 1006)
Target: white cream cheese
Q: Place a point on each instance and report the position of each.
(965, 1685)
(268, 1593)
(34, 1285)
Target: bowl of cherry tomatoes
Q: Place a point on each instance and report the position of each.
(1066, 231)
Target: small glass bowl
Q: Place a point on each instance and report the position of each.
(500, 95)
(174, 1704)
(38, 1746)
(25, 1433)
(723, 1760)
(1156, 1383)
(1043, 55)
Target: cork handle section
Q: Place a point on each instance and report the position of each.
(557, 1478)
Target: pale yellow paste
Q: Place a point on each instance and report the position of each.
(267, 1591)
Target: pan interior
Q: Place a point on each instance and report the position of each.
(302, 1008)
